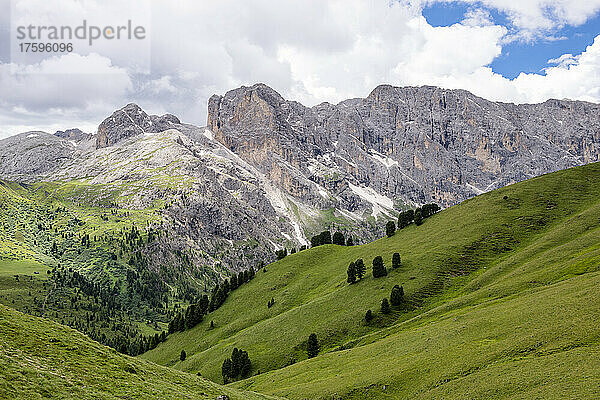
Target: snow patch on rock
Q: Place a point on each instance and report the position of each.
(379, 202)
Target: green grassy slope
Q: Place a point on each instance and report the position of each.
(493, 289)
(41, 359)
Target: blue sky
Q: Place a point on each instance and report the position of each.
(519, 55)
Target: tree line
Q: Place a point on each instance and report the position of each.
(194, 313)
(406, 218)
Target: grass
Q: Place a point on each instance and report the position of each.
(14, 267)
(496, 288)
(41, 359)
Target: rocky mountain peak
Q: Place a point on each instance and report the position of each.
(130, 121)
(255, 109)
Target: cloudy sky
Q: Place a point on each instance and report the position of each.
(308, 50)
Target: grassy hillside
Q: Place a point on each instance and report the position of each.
(499, 289)
(41, 359)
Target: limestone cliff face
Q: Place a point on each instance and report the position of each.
(412, 144)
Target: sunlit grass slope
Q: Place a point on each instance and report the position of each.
(41, 359)
(496, 287)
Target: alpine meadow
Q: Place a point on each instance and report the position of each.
(300, 200)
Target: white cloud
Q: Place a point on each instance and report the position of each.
(308, 50)
(533, 18)
(55, 91)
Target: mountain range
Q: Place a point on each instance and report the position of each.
(273, 171)
(125, 233)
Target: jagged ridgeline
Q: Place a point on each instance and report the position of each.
(117, 233)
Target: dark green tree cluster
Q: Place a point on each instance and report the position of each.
(236, 367)
(396, 300)
(321, 239)
(149, 343)
(406, 218)
(312, 347)
(356, 271)
(194, 314)
(339, 239)
(418, 215)
(325, 238)
(379, 269)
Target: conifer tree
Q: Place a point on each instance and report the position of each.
(182, 356)
(349, 241)
(351, 273)
(313, 346)
(369, 316)
(390, 229)
(359, 267)
(325, 237)
(226, 370)
(396, 295)
(418, 217)
(379, 269)
(338, 238)
(396, 261)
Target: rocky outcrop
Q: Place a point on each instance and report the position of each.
(131, 121)
(410, 145)
(74, 134)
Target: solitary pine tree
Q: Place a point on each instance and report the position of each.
(390, 228)
(396, 261)
(313, 346)
(359, 267)
(182, 355)
(385, 306)
(338, 238)
(378, 267)
(351, 273)
(396, 295)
